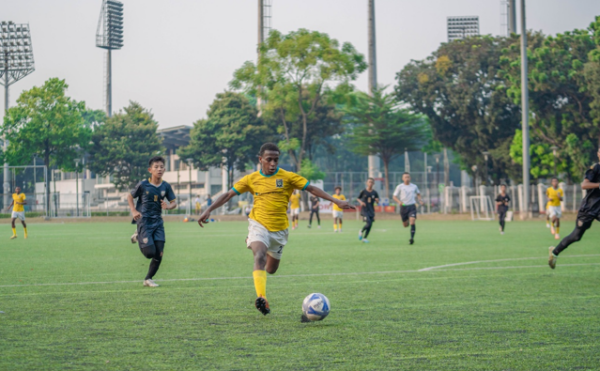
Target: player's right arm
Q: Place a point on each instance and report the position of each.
(590, 175)
(222, 200)
(136, 192)
(359, 199)
(11, 204)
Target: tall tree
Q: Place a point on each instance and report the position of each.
(122, 146)
(292, 77)
(48, 124)
(459, 89)
(381, 128)
(558, 99)
(230, 136)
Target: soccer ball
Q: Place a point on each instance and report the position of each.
(316, 307)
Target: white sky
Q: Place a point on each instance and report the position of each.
(179, 53)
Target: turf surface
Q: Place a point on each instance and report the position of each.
(72, 300)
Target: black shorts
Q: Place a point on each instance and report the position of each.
(408, 211)
(368, 218)
(148, 232)
(585, 219)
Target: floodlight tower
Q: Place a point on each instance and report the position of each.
(16, 62)
(109, 36)
(373, 161)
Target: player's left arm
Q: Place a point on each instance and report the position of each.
(419, 197)
(318, 192)
(11, 204)
(172, 199)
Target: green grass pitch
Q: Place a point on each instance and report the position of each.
(73, 299)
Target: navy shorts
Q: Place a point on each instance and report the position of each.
(148, 232)
(408, 211)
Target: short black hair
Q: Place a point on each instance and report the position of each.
(337, 187)
(553, 178)
(369, 178)
(268, 147)
(405, 173)
(503, 185)
(156, 159)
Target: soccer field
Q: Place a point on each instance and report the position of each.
(463, 297)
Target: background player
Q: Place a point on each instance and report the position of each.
(272, 188)
(406, 195)
(588, 211)
(555, 196)
(314, 210)
(151, 194)
(367, 199)
(338, 213)
(295, 208)
(502, 201)
(18, 212)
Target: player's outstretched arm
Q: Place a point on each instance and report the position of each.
(318, 192)
(222, 200)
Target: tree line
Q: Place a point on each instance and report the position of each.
(300, 94)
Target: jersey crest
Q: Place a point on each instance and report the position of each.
(162, 193)
(279, 183)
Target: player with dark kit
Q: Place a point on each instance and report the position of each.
(367, 199)
(588, 212)
(151, 194)
(502, 201)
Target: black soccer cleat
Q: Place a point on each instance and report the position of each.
(412, 241)
(262, 305)
(304, 319)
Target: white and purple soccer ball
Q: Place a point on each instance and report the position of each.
(316, 307)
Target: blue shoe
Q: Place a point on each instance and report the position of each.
(360, 237)
(365, 241)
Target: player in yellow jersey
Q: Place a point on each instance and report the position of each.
(338, 213)
(18, 211)
(555, 195)
(268, 221)
(295, 208)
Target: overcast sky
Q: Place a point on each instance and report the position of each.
(179, 53)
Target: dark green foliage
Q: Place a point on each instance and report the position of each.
(379, 127)
(459, 89)
(231, 135)
(292, 79)
(122, 146)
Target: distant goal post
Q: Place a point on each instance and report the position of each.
(482, 208)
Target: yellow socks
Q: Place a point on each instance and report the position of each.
(557, 230)
(260, 283)
(14, 231)
(335, 227)
(25, 231)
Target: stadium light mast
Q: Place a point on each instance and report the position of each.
(525, 114)
(512, 17)
(109, 36)
(373, 160)
(16, 62)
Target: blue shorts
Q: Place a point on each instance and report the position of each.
(150, 231)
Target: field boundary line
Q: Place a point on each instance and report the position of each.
(495, 261)
(439, 268)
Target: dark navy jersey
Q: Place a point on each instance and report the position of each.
(591, 202)
(505, 200)
(368, 197)
(149, 197)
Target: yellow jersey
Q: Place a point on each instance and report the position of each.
(18, 198)
(554, 194)
(271, 196)
(295, 200)
(338, 197)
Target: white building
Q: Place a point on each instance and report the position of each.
(101, 194)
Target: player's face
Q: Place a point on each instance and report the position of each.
(503, 189)
(370, 183)
(18, 190)
(406, 178)
(338, 191)
(157, 169)
(269, 162)
(554, 183)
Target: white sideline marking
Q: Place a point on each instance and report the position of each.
(494, 261)
(440, 267)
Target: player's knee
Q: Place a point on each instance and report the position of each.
(149, 251)
(271, 269)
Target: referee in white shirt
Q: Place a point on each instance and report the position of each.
(406, 194)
